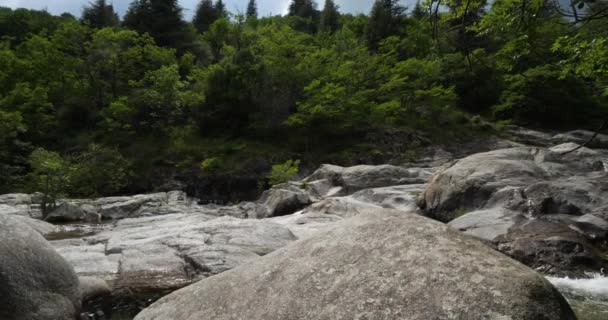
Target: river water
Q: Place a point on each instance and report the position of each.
(588, 297)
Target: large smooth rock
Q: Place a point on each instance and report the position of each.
(377, 265)
(115, 208)
(508, 177)
(44, 228)
(120, 210)
(89, 259)
(487, 224)
(35, 281)
(352, 179)
(282, 200)
(529, 203)
(395, 197)
(93, 288)
(344, 207)
(305, 225)
(66, 212)
(14, 199)
(167, 252)
(582, 136)
(528, 136)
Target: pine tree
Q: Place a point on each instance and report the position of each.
(330, 17)
(385, 20)
(419, 12)
(252, 9)
(162, 19)
(134, 18)
(220, 9)
(99, 14)
(303, 8)
(205, 16)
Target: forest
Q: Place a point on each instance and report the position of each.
(101, 105)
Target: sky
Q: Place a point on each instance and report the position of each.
(265, 7)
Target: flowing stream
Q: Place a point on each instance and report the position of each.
(588, 297)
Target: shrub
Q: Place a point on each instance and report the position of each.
(98, 171)
(50, 174)
(542, 97)
(284, 172)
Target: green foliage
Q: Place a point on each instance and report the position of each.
(585, 58)
(227, 95)
(50, 174)
(205, 16)
(162, 19)
(386, 19)
(11, 149)
(35, 109)
(330, 17)
(17, 25)
(210, 164)
(98, 171)
(100, 14)
(252, 10)
(541, 96)
(283, 172)
(303, 8)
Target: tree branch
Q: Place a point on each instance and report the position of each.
(597, 132)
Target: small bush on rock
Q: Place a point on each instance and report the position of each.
(284, 172)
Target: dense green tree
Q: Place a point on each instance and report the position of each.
(205, 16)
(162, 19)
(252, 9)
(100, 14)
(330, 17)
(158, 100)
(17, 25)
(50, 174)
(32, 104)
(12, 149)
(97, 171)
(386, 19)
(303, 8)
(542, 97)
(220, 9)
(419, 11)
